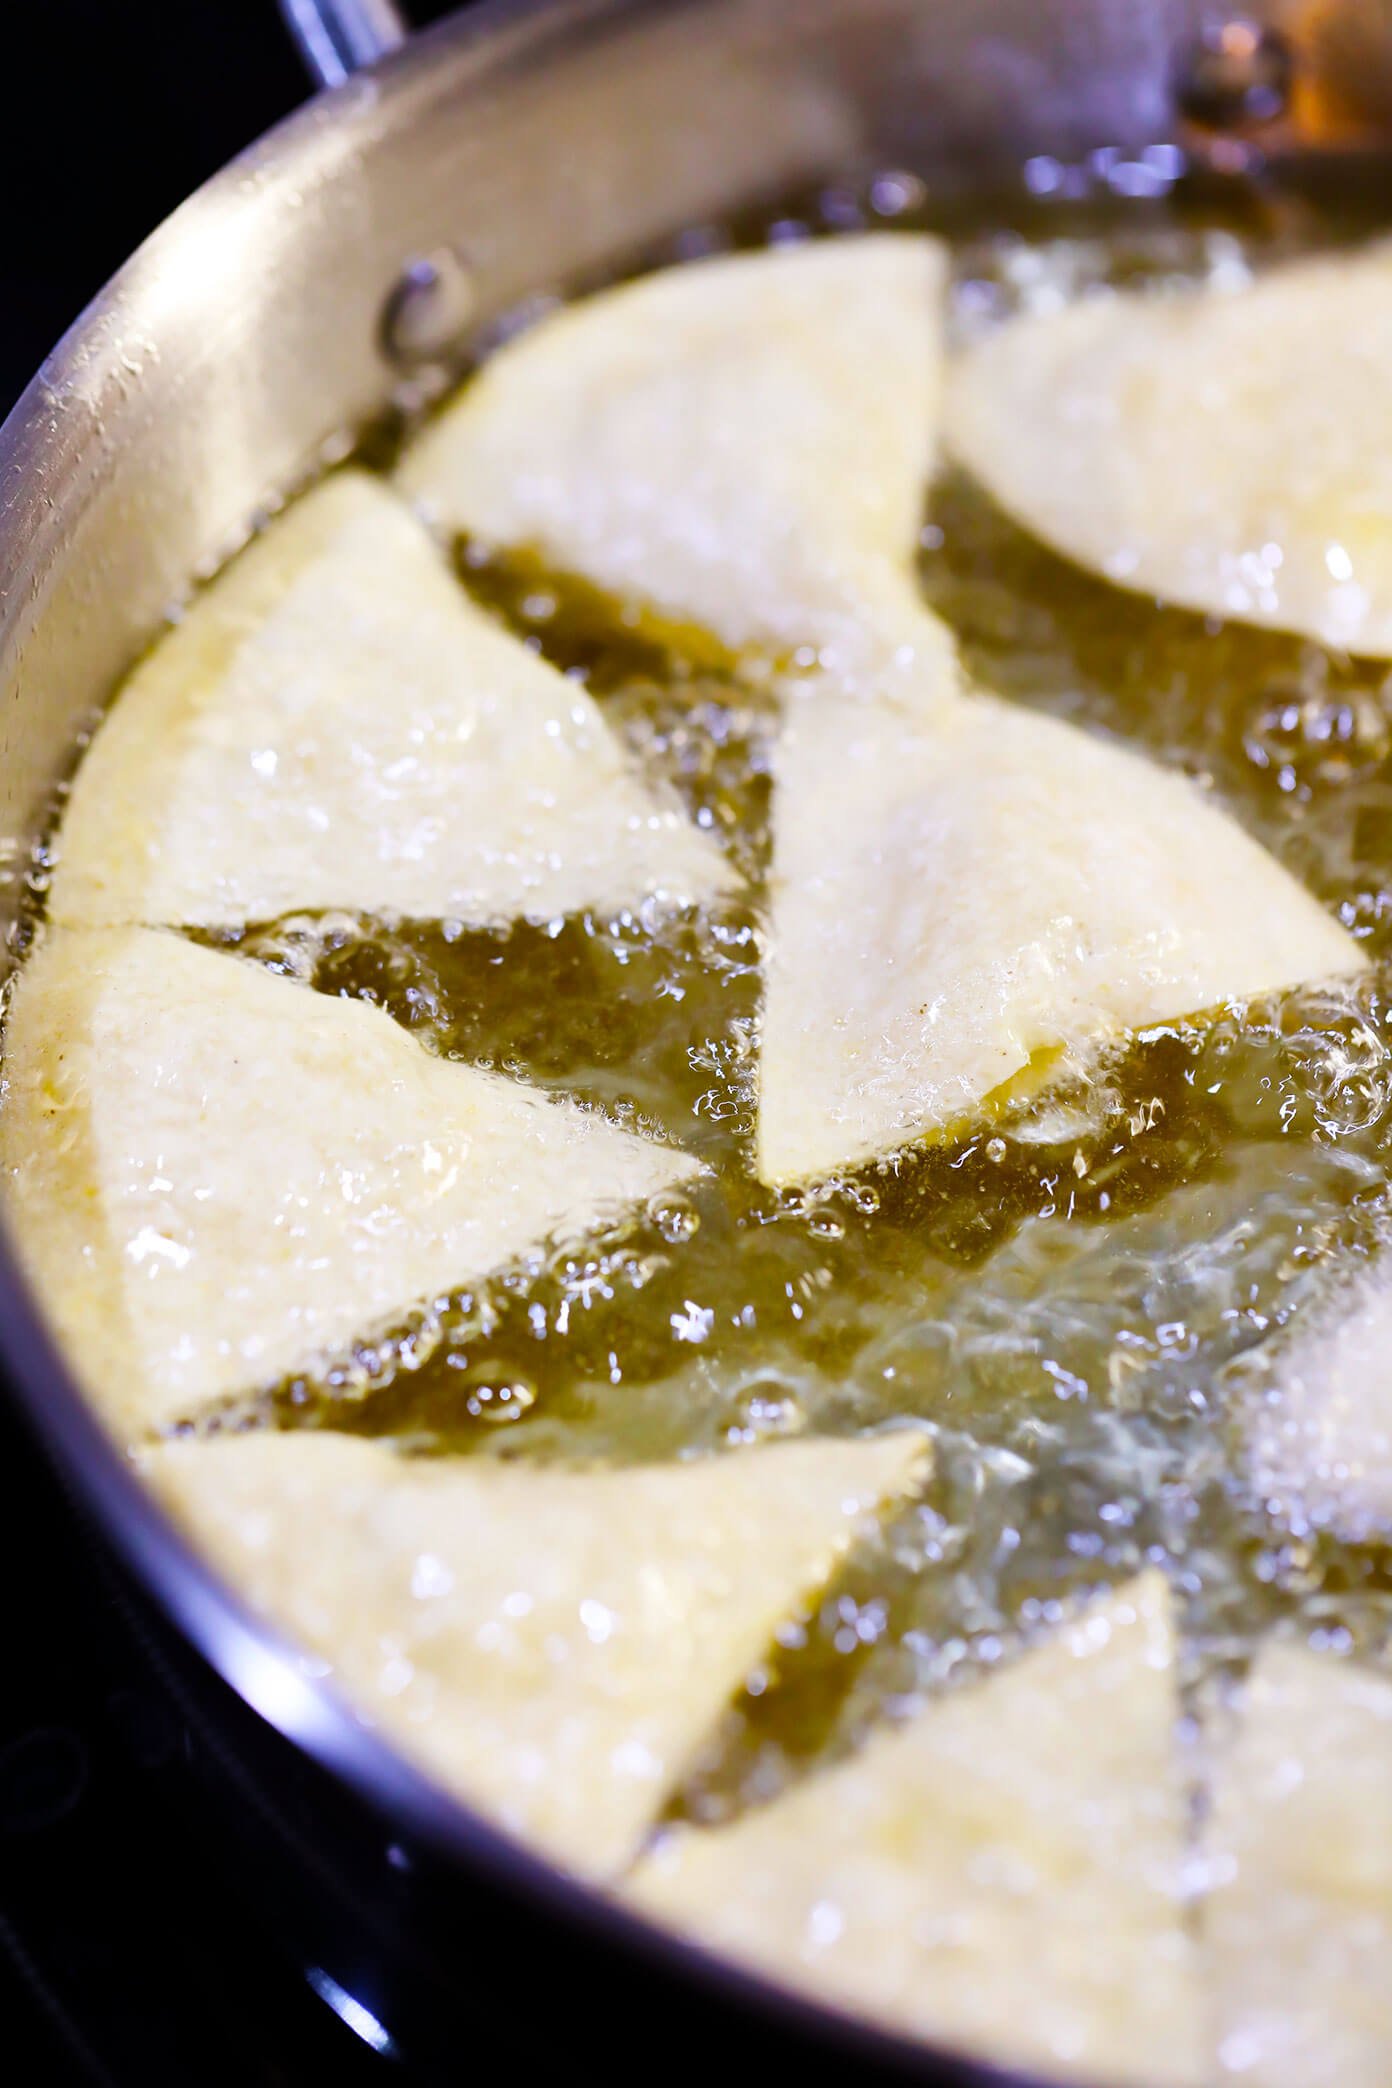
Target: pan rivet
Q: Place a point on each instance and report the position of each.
(428, 309)
(1238, 72)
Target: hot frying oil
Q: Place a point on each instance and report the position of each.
(1056, 1295)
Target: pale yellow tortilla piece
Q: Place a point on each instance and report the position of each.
(954, 894)
(1228, 450)
(1318, 1415)
(551, 1645)
(1003, 1874)
(333, 724)
(215, 1176)
(739, 444)
(1297, 1930)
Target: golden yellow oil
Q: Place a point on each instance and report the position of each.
(1058, 1294)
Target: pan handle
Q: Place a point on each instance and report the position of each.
(338, 37)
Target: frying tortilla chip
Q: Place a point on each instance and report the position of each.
(956, 895)
(335, 725)
(739, 444)
(1230, 451)
(1298, 1925)
(1318, 1422)
(552, 1645)
(1003, 1873)
(216, 1176)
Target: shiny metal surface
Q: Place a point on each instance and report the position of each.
(339, 37)
(530, 142)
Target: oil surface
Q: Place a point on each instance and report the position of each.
(1056, 1297)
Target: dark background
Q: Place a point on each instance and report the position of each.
(113, 111)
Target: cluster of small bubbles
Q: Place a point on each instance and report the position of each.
(649, 1015)
(772, 1409)
(731, 1058)
(605, 644)
(1006, 273)
(1140, 175)
(1316, 1064)
(228, 1417)
(497, 1396)
(711, 745)
(1338, 1047)
(37, 867)
(21, 933)
(352, 1377)
(858, 1623)
(315, 948)
(1309, 733)
(675, 1216)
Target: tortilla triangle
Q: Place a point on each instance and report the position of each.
(334, 724)
(739, 444)
(1004, 1873)
(552, 1645)
(956, 891)
(1317, 1416)
(1230, 451)
(216, 1176)
(1298, 1925)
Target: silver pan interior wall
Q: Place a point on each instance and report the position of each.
(541, 140)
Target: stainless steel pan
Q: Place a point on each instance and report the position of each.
(356, 248)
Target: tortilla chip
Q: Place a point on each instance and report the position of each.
(1318, 1419)
(552, 1645)
(1298, 1926)
(335, 725)
(953, 895)
(1002, 1874)
(216, 1176)
(1230, 451)
(739, 444)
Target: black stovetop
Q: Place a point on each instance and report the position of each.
(130, 1951)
